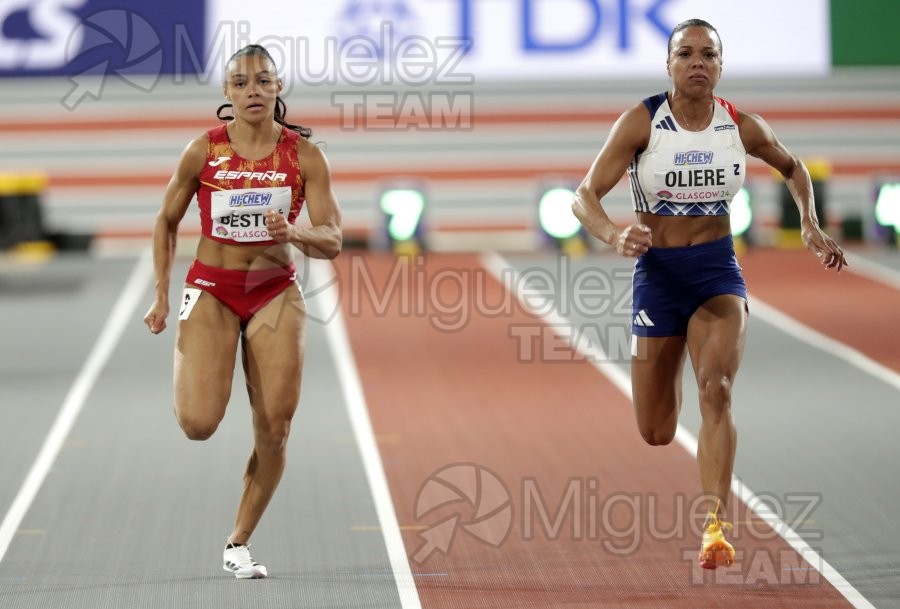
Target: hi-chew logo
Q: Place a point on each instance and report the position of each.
(250, 199)
(693, 157)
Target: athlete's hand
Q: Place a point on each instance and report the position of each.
(824, 247)
(156, 316)
(634, 240)
(279, 228)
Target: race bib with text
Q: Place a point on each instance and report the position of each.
(240, 215)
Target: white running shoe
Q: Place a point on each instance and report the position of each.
(237, 560)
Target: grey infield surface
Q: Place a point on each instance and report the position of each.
(133, 514)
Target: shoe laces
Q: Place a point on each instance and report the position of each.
(241, 555)
(715, 525)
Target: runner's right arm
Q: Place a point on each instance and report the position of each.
(628, 135)
(177, 198)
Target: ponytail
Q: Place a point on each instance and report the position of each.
(281, 113)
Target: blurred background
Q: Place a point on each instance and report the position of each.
(480, 106)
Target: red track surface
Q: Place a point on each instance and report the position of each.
(465, 396)
(857, 311)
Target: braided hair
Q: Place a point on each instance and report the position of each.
(255, 50)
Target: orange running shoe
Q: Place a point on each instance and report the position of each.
(715, 551)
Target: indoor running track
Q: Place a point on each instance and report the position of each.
(452, 449)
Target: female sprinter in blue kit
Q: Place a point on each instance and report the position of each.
(685, 151)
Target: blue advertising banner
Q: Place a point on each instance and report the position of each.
(96, 37)
(365, 42)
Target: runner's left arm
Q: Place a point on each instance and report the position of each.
(324, 238)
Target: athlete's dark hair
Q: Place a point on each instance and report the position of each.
(255, 50)
(694, 23)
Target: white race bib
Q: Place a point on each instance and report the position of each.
(188, 300)
(240, 215)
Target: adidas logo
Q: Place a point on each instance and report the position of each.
(667, 123)
(642, 319)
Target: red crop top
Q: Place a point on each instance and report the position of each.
(235, 193)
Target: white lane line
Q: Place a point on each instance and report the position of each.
(121, 315)
(814, 338)
(875, 271)
(327, 301)
(506, 274)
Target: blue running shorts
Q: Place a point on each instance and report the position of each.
(670, 283)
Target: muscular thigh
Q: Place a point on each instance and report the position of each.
(716, 334)
(656, 368)
(205, 348)
(274, 342)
